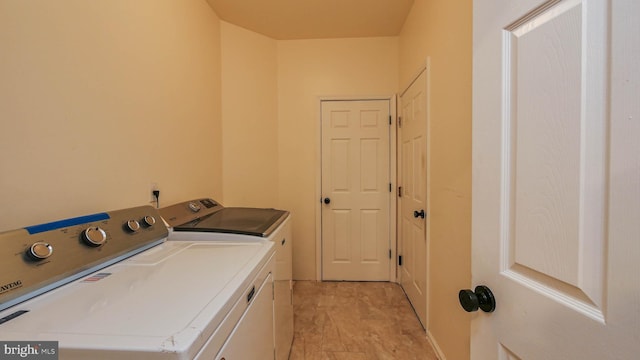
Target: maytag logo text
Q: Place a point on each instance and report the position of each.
(11, 285)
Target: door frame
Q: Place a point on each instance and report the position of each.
(392, 177)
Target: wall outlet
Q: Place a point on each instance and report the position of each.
(152, 187)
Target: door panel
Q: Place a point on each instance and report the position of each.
(413, 175)
(556, 213)
(544, 146)
(340, 164)
(355, 177)
(370, 237)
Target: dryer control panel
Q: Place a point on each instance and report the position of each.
(38, 258)
(188, 211)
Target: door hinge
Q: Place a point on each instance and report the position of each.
(399, 191)
(389, 253)
(399, 260)
(400, 121)
(390, 120)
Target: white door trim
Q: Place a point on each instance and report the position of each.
(392, 176)
(415, 76)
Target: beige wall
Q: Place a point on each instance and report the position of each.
(308, 70)
(250, 118)
(100, 98)
(442, 30)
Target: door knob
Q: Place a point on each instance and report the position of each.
(482, 298)
(417, 214)
(327, 200)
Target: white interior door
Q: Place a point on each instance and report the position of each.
(355, 190)
(556, 178)
(412, 200)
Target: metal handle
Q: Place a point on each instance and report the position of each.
(251, 293)
(482, 298)
(327, 200)
(417, 214)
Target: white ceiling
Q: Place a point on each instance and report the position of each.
(315, 19)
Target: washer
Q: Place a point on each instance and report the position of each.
(207, 220)
(109, 286)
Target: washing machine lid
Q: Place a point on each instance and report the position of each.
(208, 215)
(238, 220)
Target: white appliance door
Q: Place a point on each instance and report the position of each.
(283, 302)
(253, 337)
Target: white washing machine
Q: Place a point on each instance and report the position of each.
(109, 286)
(206, 220)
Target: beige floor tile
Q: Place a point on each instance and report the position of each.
(346, 355)
(356, 320)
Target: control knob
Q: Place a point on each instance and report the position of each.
(149, 221)
(194, 207)
(132, 225)
(94, 236)
(40, 250)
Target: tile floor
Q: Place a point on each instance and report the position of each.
(355, 320)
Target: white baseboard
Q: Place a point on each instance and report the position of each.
(436, 348)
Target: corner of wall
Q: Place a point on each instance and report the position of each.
(450, 54)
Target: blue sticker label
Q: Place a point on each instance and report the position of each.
(35, 229)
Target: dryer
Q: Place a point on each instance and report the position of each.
(206, 219)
